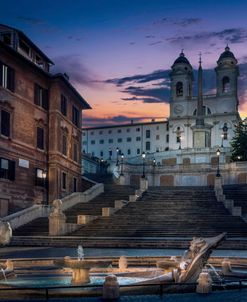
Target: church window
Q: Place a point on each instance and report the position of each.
(225, 84)
(179, 89)
(225, 131)
(178, 135)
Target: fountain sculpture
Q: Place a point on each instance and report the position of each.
(80, 267)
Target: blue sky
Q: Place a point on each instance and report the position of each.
(98, 42)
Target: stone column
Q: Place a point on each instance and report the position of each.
(204, 285)
(143, 184)
(122, 180)
(110, 288)
(57, 219)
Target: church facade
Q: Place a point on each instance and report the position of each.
(203, 121)
(197, 124)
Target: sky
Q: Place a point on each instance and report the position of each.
(118, 54)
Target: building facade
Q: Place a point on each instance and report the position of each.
(131, 140)
(40, 118)
(198, 123)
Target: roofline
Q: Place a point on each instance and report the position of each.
(126, 125)
(45, 73)
(66, 82)
(29, 41)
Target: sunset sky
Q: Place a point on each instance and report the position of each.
(118, 53)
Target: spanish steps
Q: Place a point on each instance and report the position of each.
(161, 212)
(169, 212)
(238, 193)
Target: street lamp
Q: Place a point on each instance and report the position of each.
(44, 177)
(154, 162)
(117, 155)
(218, 167)
(122, 158)
(143, 164)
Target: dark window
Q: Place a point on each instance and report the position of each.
(148, 146)
(167, 138)
(110, 131)
(119, 131)
(7, 169)
(64, 181)
(40, 179)
(129, 151)
(7, 77)
(92, 142)
(40, 96)
(119, 140)
(157, 137)
(63, 105)
(5, 123)
(75, 116)
(75, 184)
(110, 141)
(101, 132)
(101, 153)
(128, 139)
(6, 38)
(179, 89)
(64, 145)
(75, 152)
(138, 138)
(157, 127)
(24, 47)
(138, 129)
(101, 141)
(40, 138)
(148, 133)
(167, 126)
(128, 130)
(225, 84)
(138, 151)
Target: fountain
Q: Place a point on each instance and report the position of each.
(80, 267)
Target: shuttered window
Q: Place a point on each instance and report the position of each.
(40, 96)
(40, 138)
(7, 77)
(5, 123)
(75, 116)
(63, 105)
(7, 169)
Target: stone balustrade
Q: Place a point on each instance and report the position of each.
(22, 217)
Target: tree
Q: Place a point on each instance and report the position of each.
(239, 142)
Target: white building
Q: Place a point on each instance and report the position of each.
(130, 139)
(195, 122)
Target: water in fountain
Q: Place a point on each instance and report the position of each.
(3, 272)
(220, 279)
(80, 253)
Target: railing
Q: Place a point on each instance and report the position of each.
(22, 217)
(190, 287)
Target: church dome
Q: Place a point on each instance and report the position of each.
(227, 54)
(182, 59)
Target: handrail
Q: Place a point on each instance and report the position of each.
(161, 286)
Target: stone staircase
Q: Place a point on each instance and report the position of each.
(168, 212)
(39, 227)
(238, 193)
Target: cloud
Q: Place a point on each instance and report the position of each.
(155, 86)
(77, 72)
(155, 43)
(30, 21)
(230, 35)
(183, 22)
(93, 121)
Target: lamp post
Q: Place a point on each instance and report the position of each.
(143, 164)
(117, 150)
(218, 167)
(122, 158)
(44, 177)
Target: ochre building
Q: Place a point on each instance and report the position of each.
(40, 133)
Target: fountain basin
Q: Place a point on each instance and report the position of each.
(80, 268)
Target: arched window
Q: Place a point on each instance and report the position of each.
(224, 131)
(178, 135)
(225, 84)
(179, 89)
